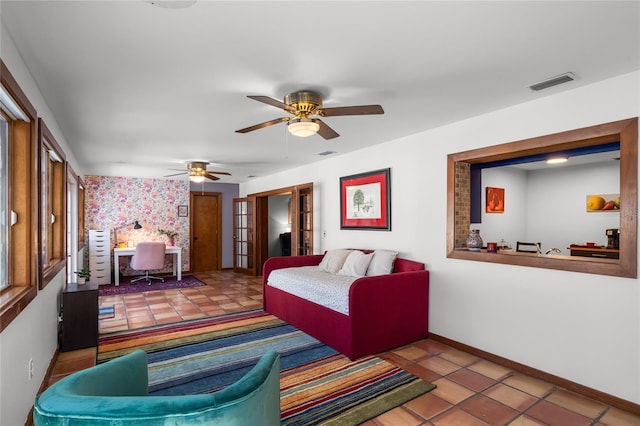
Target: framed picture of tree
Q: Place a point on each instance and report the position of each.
(365, 201)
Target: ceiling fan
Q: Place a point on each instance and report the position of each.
(197, 171)
(306, 108)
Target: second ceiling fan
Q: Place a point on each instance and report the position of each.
(307, 109)
(197, 171)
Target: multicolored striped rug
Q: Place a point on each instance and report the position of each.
(318, 384)
(106, 312)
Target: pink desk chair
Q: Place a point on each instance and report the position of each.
(148, 255)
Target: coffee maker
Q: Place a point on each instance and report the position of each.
(613, 238)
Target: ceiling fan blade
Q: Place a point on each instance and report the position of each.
(219, 173)
(326, 131)
(273, 102)
(350, 110)
(176, 174)
(212, 177)
(262, 125)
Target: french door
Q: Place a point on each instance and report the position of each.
(244, 235)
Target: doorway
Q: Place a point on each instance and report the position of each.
(206, 231)
(251, 226)
(279, 225)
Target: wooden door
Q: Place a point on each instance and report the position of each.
(244, 235)
(206, 232)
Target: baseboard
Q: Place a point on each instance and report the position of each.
(603, 397)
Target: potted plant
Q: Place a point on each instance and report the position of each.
(83, 275)
(171, 235)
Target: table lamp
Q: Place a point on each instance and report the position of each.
(135, 224)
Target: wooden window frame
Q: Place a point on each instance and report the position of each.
(53, 194)
(22, 195)
(624, 131)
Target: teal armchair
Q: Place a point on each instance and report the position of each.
(115, 393)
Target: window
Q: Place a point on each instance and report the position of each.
(5, 215)
(18, 188)
(52, 204)
(458, 196)
(81, 232)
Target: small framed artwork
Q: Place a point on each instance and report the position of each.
(365, 201)
(183, 211)
(494, 200)
(603, 203)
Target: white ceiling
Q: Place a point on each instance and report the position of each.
(139, 89)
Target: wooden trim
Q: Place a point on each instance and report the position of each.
(57, 205)
(603, 397)
(13, 88)
(279, 191)
(625, 131)
(53, 270)
(295, 191)
(22, 192)
(17, 299)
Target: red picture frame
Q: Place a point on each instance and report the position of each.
(494, 201)
(365, 201)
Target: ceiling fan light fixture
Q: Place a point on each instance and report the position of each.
(303, 127)
(196, 178)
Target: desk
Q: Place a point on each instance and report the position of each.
(129, 251)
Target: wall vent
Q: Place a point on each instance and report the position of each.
(553, 81)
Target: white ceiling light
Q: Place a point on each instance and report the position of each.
(196, 178)
(557, 160)
(303, 127)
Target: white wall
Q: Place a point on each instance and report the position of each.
(583, 327)
(550, 205)
(33, 334)
(511, 224)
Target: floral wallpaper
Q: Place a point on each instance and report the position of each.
(112, 202)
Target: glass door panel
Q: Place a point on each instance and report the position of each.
(244, 235)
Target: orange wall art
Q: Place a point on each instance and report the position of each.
(495, 200)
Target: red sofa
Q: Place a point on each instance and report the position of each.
(385, 311)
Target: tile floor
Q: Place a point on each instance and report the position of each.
(471, 390)
(225, 293)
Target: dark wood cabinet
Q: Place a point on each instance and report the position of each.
(79, 326)
(601, 252)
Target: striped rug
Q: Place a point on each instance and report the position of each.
(318, 385)
(106, 312)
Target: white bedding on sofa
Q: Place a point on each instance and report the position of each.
(310, 283)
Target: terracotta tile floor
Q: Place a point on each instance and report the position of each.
(471, 390)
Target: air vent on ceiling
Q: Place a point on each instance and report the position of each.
(553, 81)
(172, 4)
(323, 153)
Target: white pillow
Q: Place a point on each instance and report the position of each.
(333, 260)
(382, 262)
(356, 264)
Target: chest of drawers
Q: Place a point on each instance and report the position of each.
(100, 256)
